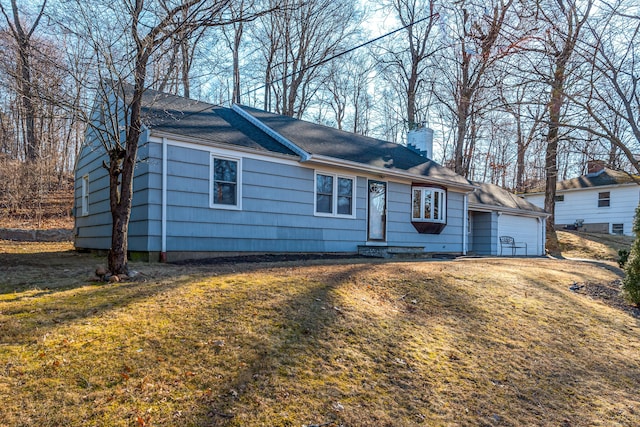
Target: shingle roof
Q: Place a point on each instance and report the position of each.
(326, 141)
(182, 116)
(492, 195)
(603, 178)
(187, 117)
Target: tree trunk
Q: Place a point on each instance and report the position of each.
(122, 166)
(520, 157)
(551, 158)
(461, 130)
(117, 258)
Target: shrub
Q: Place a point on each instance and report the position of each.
(623, 256)
(631, 281)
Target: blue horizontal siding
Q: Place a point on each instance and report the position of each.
(277, 212)
(94, 229)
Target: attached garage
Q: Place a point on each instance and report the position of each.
(495, 212)
(523, 229)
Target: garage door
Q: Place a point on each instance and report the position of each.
(522, 229)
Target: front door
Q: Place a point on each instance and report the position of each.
(377, 211)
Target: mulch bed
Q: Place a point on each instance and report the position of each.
(608, 293)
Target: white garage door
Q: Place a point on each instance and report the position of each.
(522, 229)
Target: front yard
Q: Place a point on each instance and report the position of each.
(343, 342)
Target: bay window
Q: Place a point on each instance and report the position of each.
(428, 209)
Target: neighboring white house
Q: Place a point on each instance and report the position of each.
(603, 201)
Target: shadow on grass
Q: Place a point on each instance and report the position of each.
(308, 351)
(343, 366)
(45, 270)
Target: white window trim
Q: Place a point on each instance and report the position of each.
(601, 199)
(238, 205)
(619, 225)
(443, 206)
(84, 196)
(334, 199)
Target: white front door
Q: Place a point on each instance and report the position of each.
(377, 211)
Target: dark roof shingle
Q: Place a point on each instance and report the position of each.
(492, 195)
(182, 116)
(326, 141)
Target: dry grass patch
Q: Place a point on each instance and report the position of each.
(467, 342)
(574, 244)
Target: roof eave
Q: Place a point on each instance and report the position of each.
(491, 208)
(383, 172)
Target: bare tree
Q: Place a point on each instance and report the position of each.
(563, 23)
(233, 34)
(23, 38)
(527, 116)
(480, 44)
(130, 32)
(405, 59)
(612, 101)
(296, 41)
(346, 91)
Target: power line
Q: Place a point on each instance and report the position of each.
(324, 61)
(337, 55)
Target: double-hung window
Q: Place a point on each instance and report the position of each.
(604, 199)
(225, 182)
(334, 195)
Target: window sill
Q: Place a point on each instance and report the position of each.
(225, 207)
(328, 215)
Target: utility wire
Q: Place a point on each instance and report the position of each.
(324, 61)
(337, 55)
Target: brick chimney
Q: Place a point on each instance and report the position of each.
(594, 167)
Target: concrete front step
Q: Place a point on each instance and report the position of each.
(392, 251)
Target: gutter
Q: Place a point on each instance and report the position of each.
(332, 161)
(465, 222)
(492, 208)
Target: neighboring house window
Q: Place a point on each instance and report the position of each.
(429, 204)
(560, 198)
(84, 200)
(225, 185)
(334, 195)
(617, 229)
(604, 199)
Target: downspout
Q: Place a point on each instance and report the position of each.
(542, 224)
(163, 232)
(465, 223)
